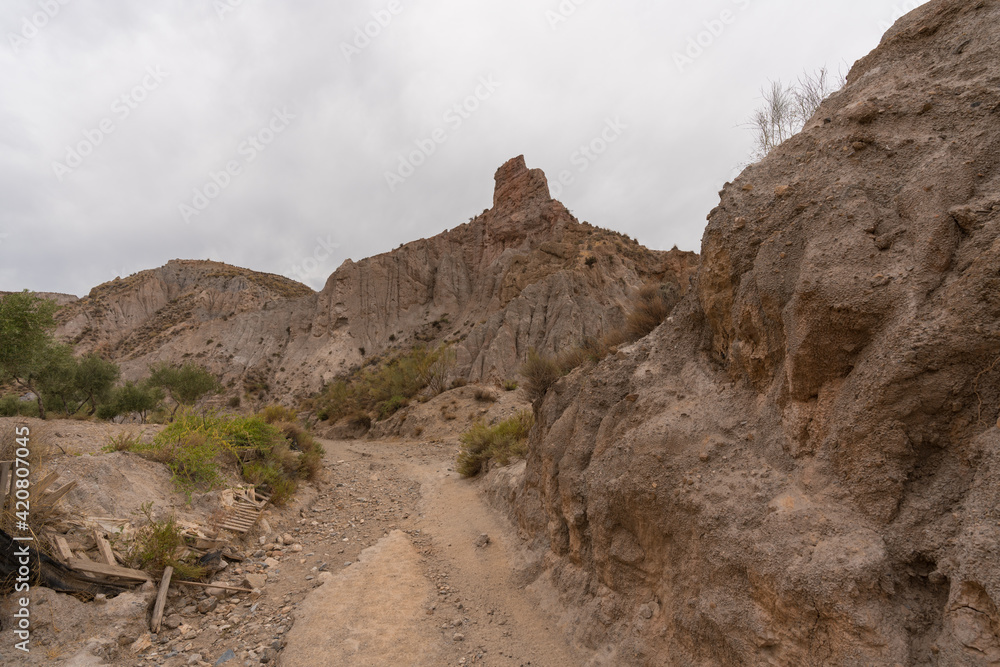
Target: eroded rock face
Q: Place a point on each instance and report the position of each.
(523, 274)
(800, 468)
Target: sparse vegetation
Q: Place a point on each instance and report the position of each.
(510, 385)
(277, 413)
(125, 441)
(786, 109)
(383, 387)
(539, 374)
(154, 546)
(198, 448)
(485, 395)
(501, 443)
(650, 306)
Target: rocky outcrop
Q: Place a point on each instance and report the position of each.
(800, 467)
(523, 274)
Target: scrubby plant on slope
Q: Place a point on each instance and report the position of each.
(384, 386)
(501, 443)
(198, 449)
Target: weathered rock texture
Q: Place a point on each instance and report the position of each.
(802, 465)
(523, 274)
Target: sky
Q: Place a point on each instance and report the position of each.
(288, 137)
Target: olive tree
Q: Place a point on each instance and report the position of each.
(27, 344)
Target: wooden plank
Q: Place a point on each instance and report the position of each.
(4, 482)
(38, 488)
(108, 570)
(49, 500)
(236, 529)
(214, 585)
(63, 548)
(161, 600)
(104, 548)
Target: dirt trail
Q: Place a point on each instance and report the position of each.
(433, 591)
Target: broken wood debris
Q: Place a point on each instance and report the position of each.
(248, 505)
(161, 600)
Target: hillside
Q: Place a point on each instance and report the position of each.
(800, 467)
(525, 273)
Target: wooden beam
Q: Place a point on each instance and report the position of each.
(38, 488)
(49, 500)
(4, 482)
(104, 548)
(63, 548)
(161, 600)
(108, 570)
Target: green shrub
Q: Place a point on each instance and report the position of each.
(502, 442)
(11, 405)
(127, 441)
(539, 374)
(197, 449)
(234, 401)
(384, 386)
(277, 413)
(510, 385)
(154, 546)
(130, 398)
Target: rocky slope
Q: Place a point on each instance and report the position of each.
(801, 467)
(523, 274)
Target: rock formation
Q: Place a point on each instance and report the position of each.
(802, 465)
(523, 274)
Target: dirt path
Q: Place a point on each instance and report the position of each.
(431, 590)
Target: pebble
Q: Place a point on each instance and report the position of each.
(208, 604)
(173, 621)
(458, 637)
(483, 540)
(226, 657)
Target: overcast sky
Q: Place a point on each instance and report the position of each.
(283, 138)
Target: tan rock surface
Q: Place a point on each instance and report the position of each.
(513, 278)
(799, 467)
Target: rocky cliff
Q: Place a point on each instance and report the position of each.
(523, 274)
(802, 465)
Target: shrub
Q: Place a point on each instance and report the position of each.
(234, 401)
(386, 385)
(276, 456)
(11, 405)
(502, 442)
(127, 441)
(539, 374)
(154, 546)
(510, 385)
(590, 261)
(485, 395)
(277, 413)
(389, 407)
(650, 307)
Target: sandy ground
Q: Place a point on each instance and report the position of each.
(382, 561)
(439, 593)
